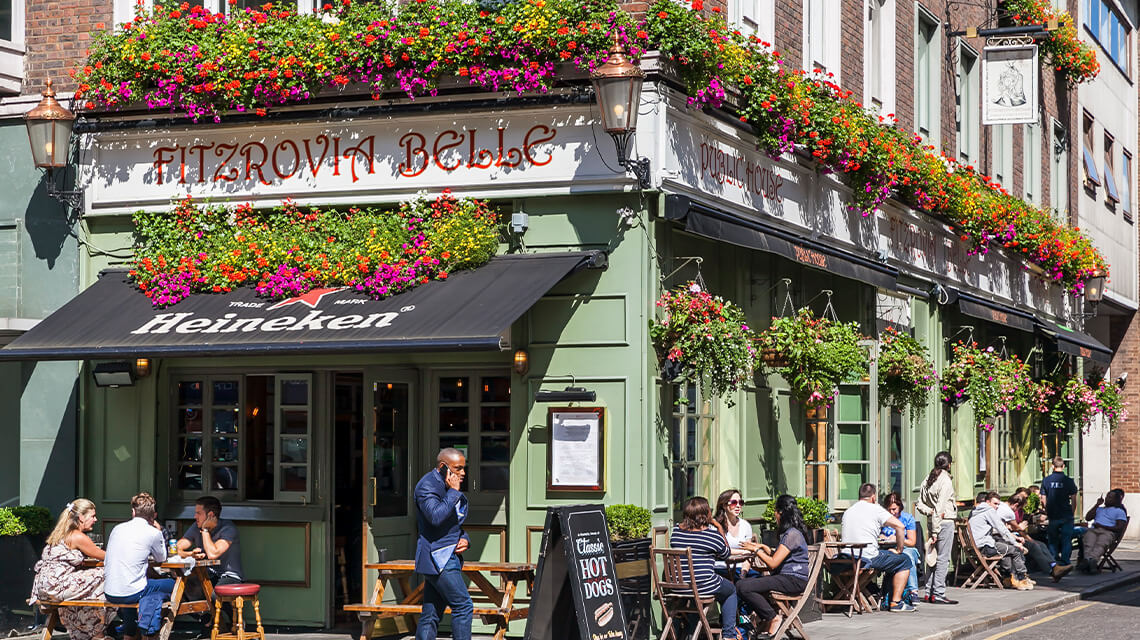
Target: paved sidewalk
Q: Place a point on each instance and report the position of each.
(978, 610)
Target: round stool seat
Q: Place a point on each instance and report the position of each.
(233, 590)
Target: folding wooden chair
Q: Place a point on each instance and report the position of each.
(790, 604)
(985, 567)
(849, 577)
(1107, 561)
(677, 590)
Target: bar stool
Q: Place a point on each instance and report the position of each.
(237, 594)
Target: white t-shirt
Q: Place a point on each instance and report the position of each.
(861, 523)
(744, 534)
(130, 547)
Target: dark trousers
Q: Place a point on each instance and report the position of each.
(754, 591)
(1060, 536)
(148, 617)
(1038, 554)
(441, 591)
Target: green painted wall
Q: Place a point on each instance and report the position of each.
(38, 274)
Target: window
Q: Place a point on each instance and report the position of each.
(124, 10)
(1059, 173)
(1126, 185)
(854, 449)
(475, 417)
(11, 46)
(1092, 177)
(244, 437)
(1110, 169)
(1031, 164)
(821, 37)
(969, 106)
(753, 17)
(879, 56)
(693, 432)
(1110, 30)
(1002, 142)
(927, 56)
(1005, 454)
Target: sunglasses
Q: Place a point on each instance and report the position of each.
(733, 503)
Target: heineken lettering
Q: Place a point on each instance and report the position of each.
(231, 323)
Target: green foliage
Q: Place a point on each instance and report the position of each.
(905, 373)
(10, 523)
(815, 512)
(1032, 503)
(37, 520)
(820, 354)
(628, 521)
(993, 383)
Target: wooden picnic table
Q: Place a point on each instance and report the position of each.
(493, 605)
(178, 606)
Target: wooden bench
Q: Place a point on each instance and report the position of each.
(493, 605)
(52, 607)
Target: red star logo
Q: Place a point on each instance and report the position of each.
(312, 298)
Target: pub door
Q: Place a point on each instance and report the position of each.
(389, 526)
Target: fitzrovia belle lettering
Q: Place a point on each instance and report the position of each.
(327, 155)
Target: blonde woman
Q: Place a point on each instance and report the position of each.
(60, 574)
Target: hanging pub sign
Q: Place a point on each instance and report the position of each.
(1009, 85)
(575, 594)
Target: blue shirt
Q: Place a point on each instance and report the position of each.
(708, 546)
(908, 525)
(1058, 489)
(1107, 516)
(796, 564)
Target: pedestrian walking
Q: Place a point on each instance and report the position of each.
(441, 509)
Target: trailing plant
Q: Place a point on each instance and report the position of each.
(291, 250)
(1110, 403)
(36, 519)
(1062, 47)
(10, 523)
(1074, 405)
(185, 59)
(906, 373)
(704, 338)
(628, 521)
(815, 512)
(820, 353)
(991, 382)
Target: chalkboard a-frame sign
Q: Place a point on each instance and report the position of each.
(576, 591)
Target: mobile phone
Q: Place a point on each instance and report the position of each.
(443, 471)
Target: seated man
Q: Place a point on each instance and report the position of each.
(862, 522)
(214, 538)
(1107, 520)
(130, 548)
(1036, 551)
(994, 539)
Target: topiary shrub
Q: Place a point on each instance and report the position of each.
(628, 521)
(10, 523)
(37, 520)
(815, 512)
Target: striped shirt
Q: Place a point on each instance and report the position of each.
(708, 546)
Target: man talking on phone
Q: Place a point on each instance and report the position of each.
(441, 510)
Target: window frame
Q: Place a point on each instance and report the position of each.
(754, 17)
(879, 56)
(1001, 143)
(1126, 184)
(703, 464)
(1111, 193)
(12, 52)
(1031, 162)
(1088, 150)
(969, 105)
(817, 35)
(279, 435)
(1059, 172)
(124, 10)
(1107, 25)
(927, 82)
(475, 432)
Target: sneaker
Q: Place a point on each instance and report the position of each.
(1021, 584)
(940, 600)
(1060, 571)
(903, 607)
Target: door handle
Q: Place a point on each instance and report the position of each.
(372, 482)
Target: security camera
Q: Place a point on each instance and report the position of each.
(520, 222)
(1122, 380)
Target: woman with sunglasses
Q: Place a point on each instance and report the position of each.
(737, 531)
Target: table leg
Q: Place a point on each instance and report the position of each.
(49, 626)
(366, 625)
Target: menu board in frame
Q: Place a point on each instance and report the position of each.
(575, 454)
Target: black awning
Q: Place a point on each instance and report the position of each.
(996, 313)
(470, 310)
(1074, 342)
(713, 223)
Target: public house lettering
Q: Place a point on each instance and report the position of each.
(999, 317)
(807, 256)
(412, 154)
(737, 170)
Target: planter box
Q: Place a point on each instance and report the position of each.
(635, 585)
(17, 564)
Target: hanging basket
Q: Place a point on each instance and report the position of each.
(816, 413)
